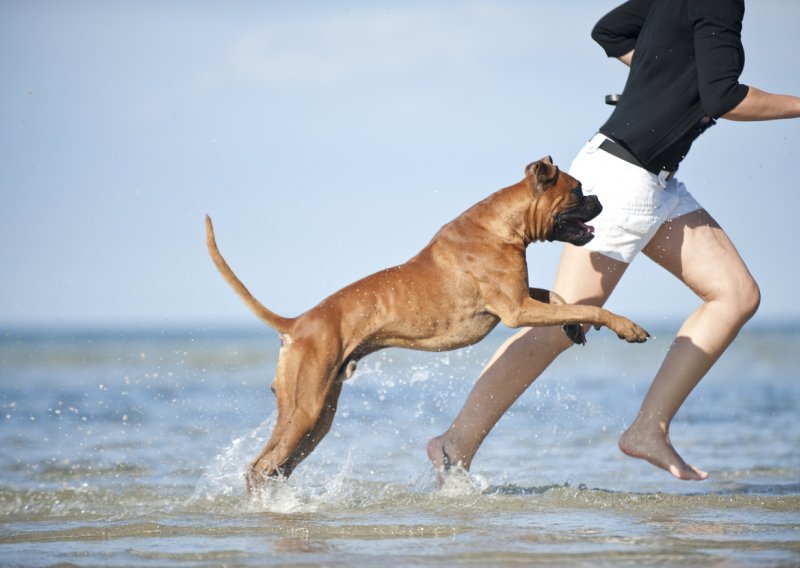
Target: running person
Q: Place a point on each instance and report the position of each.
(685, 59)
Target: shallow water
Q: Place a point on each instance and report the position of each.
(128, 449)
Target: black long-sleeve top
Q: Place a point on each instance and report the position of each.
(685, 70)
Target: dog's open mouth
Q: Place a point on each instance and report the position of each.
(571, 226)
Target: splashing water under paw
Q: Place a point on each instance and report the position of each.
(276, 495)
(225, 477)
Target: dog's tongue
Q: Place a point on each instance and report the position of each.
(585, 227)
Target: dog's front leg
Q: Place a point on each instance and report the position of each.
(530, 313)
(575, 331)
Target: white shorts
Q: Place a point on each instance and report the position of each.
(635, 202)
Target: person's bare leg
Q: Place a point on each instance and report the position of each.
(696, 250)
(583, 277)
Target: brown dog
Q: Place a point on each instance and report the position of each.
(470, 277)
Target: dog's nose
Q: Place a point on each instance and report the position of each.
(593, 203)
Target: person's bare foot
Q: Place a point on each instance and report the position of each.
(439, 458)
(452, 474)
(657, 449)
(441, 455)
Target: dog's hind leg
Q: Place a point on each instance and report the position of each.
(307, 393)
(321, 428)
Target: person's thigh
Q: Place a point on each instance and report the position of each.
(586, 277)
(696, 250)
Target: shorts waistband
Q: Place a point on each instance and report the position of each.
(618, 150)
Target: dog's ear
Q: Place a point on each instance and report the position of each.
(543, 171)
(529, 169)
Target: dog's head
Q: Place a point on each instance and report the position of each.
(559, 210)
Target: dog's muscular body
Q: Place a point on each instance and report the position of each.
(471, 276)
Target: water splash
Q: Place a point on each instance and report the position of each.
(457, 483)
(276, 495)
(306, 492)
(225, 476)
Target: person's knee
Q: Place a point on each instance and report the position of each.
(750, 298)
(742, 297)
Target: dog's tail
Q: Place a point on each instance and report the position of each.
(278, 323)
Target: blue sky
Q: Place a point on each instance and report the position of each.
(327, 140)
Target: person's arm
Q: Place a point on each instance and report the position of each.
(719, 55)
(617, 31)
(626, 58)
(720, 59)
(760, 105)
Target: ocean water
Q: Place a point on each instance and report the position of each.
(127, 448)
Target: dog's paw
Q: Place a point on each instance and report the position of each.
(575, 333)
(631, 332)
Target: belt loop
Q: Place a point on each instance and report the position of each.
(594, 142)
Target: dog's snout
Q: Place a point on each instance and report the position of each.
(593, 204)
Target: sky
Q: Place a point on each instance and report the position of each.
(327, 140)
